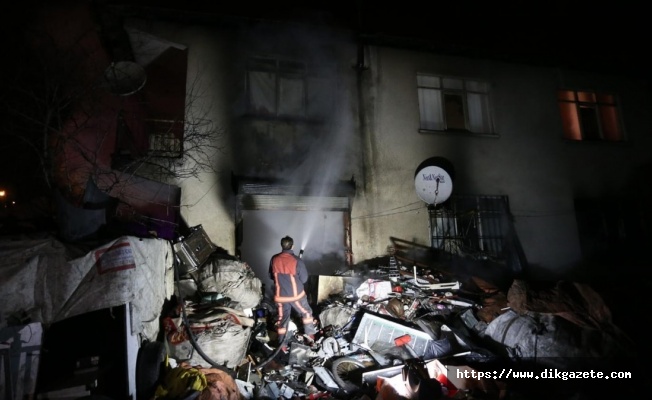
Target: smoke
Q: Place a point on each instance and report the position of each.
(313, 155)
(317, 232)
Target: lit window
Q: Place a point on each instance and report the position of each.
(453, 104)
(276, 88)
(590, 116)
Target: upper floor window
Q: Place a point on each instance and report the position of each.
(165, 137)
(276, 88)
(590, 116)
(453, 104)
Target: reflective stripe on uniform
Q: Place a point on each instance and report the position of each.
(280, 299)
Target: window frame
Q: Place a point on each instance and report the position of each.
(474, 225)
(165, 138)
(443, 89)
(600, 104)
(281, 69)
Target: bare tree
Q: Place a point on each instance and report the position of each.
(62, 125)
(172, 160)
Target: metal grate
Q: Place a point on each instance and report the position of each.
(392, 270)
(473, 226)
(164, 137)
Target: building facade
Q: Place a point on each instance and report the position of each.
(323, 135)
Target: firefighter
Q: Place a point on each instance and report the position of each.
(289, 274)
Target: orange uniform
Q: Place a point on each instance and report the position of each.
(290, 274)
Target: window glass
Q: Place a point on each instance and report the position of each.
(475, 86)
(428, 81)
(590, 116)
(430, 109)
(566, 95)
(478, 107)
(276, 87)
(452, 83)
(570, 121)
(463, 105)
(291, 97)
(586, 97)
(262, 92)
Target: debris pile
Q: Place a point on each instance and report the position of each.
(393, 333)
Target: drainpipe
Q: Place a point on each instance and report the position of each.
(359, 67)
(347, 239)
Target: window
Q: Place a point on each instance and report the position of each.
(453, 104)
(276, 88)
(473, 226)
(590, 116)
(165, 137)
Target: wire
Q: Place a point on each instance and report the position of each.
(387, 213)
(191, 336)
(266, 361)
(534, 214)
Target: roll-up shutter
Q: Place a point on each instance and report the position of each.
(296, 203)
(277, 195)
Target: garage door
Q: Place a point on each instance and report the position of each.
(268, 211)
(320, 233)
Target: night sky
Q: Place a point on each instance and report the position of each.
(604, 36)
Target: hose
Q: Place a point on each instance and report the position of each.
(266, 361)
(344, 369)
(191, 336)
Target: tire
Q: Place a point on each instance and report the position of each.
(347, 372)
(149, 366)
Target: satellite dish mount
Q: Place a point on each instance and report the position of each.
(433, 180)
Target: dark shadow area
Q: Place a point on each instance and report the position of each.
(86, 348)
(455, 266)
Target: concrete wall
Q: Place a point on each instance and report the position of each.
(207, 198)
(527, 160)
(322, 148)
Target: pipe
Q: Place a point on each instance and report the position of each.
(266, 361)
(191, 336)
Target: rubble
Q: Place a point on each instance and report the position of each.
(402, 333)
(402, 330)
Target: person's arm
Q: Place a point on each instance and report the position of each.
(271, 269)
(302, 271)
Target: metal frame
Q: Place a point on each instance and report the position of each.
(471, 225)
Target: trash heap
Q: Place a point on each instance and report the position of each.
(397, 332)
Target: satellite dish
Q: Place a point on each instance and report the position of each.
(125, 78)
(433, 180)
